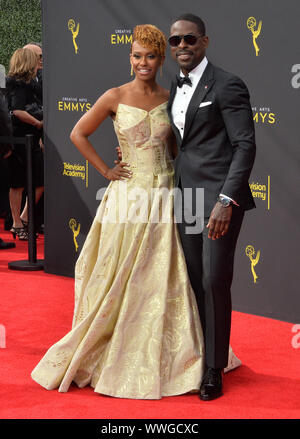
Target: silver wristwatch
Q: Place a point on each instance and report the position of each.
(225, 201)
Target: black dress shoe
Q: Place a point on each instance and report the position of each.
(211, 386)
(5, 245)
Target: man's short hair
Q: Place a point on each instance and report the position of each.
(35, 44)
(194, 19)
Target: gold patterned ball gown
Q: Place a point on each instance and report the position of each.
(136, 331)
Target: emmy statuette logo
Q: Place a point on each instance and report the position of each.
(251, 24)
(250, 252)
(71, 27)
(75, 229)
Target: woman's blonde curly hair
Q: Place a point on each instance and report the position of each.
(151, 37)
(23, 64)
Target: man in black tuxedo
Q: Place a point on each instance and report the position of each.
(212, 120)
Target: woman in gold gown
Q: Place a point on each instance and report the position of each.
(136, 331)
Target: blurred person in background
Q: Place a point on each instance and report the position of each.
(5, 152)
(37, 48)
(27, 118)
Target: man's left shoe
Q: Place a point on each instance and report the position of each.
(6, 245)
(211, 387)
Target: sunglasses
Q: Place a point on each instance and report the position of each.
(189, 39)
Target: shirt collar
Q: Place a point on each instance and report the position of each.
(197, 72)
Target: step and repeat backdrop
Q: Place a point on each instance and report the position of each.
(86, 49)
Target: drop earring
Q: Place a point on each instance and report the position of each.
(131, 71)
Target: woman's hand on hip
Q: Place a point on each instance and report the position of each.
(118, 172)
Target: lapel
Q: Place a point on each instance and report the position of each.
(199, 94)
(169, 108)
(172, 96)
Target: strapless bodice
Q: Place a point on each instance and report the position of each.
(144, 138)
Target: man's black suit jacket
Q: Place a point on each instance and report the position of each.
(217, 150)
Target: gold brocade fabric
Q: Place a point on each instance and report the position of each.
(136, 331)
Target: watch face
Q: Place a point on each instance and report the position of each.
(225, 202)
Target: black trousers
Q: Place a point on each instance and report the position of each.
(210, 269)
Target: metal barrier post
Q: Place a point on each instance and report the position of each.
(32, 264)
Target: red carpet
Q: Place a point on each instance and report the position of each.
(36, 311)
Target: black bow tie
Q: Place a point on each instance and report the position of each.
(183, 80)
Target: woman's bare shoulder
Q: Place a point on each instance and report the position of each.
(113, 96)
(164, 93)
